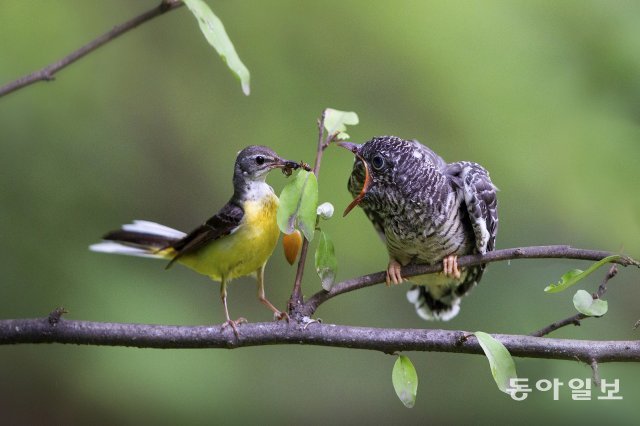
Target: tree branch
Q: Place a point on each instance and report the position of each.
(55, 329)
(533, 252)
(385, 340)
(575, 319)
(47, 73)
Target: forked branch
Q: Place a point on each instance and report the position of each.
(533, 252)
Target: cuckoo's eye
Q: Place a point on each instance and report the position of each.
(259, 160)
(377, 162)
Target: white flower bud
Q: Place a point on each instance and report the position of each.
(325, 210)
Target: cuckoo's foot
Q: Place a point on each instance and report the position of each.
(393, 273)
(234, 324)
(277, 316)
(450, 264)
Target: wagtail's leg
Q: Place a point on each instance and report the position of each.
(277, 315)
(393, 272)
(229, 322)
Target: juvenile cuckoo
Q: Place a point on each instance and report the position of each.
(426, 211)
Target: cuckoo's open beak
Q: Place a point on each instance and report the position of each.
(354, 148)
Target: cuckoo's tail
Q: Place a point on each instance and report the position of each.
(140, 238)
(443, 305)
(430, 308)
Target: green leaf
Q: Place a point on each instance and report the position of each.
(405, 380)
(335, 122)
(503, 369)
(575, 275)
(213, 30)
(326, 262)
(586, 304)
(298, 205)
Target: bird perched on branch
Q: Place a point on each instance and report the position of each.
(236, 241)
(426, 211)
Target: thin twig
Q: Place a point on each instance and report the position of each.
(533, 252)
(602, 288)
(47, 73)
(322, 144)
(575, 319)
(258, 334)
(296, 300)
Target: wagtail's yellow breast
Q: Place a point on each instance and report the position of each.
(246, 249)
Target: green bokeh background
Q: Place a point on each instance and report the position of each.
(546, 95)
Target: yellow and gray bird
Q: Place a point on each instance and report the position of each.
(426, 211)
(236, 241)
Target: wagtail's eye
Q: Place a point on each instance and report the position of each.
(377, 162)
(259, 160)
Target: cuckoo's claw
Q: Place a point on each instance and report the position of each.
(393, 273)
(450, 266)
(234, 324)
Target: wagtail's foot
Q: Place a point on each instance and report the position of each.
(234, 324)
(393, 273)
(450, 266)
(277, 316)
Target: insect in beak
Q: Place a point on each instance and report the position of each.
(289, 166)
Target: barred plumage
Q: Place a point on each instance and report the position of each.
(426, 211)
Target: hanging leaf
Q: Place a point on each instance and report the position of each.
(298, 205)
(503, 369)
(586, 304)
(405, 380)
(213, 30)
(291, 244)
(336, 122)
(573, 276)
(326, 262)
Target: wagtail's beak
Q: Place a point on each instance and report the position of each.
(354, 148)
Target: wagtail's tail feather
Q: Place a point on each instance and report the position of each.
(140, 238)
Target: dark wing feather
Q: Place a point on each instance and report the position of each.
(481, 201)
(222, 223)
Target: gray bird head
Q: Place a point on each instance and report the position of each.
(385, 165)
(255, 161)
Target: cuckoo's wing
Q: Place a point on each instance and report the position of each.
(480, 199)
(225, 222)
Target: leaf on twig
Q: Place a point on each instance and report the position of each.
(335, 122)
(298, 205)
(326, 262)
(503, 369)
(213, 30)
(405, 380)
(586, 304)
(573, 276)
